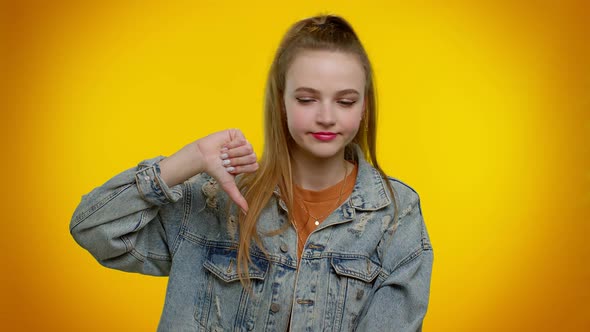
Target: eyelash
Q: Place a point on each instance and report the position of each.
(304, 101)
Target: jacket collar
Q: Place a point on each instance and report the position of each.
(369, 192)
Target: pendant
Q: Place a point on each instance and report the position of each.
(316, 222)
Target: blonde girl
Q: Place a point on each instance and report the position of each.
(313, 236)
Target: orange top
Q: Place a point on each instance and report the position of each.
(319, 204)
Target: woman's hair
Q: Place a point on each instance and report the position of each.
(324, 32)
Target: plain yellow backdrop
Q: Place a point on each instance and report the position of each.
(484, 110)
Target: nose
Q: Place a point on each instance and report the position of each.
(325, 115)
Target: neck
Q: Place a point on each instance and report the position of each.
(318, 173)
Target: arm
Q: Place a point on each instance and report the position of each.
(120, 225)
(132, 222)
(401, 301)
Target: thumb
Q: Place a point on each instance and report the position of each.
(234, 193)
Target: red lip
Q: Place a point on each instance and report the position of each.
(324, 136)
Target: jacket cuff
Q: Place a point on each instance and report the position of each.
(150, 185)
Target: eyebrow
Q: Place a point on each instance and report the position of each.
(312, 90)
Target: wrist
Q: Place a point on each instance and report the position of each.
(195, 158)
(181, 166)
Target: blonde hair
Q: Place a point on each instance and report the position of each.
(324, 32)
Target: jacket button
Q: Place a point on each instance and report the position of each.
(275, 307)
(284, 247)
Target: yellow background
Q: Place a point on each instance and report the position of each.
(484, 111)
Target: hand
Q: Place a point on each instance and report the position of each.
(226, 154)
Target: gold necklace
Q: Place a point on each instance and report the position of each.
(317, 219)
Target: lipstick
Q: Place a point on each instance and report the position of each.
(324, 136)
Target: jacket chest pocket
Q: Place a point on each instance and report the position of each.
(350, 287)
(225, 305)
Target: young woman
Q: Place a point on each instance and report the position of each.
(313, 237)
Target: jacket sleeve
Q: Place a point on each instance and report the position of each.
(120, 223)
(399, 304)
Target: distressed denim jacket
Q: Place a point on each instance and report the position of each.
(355, 273)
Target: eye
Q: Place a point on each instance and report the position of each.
(347, 103)
(304, 100)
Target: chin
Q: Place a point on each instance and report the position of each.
(323, 150)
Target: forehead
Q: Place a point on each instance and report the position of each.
(325, 71)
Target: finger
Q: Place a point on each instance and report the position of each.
(236, 138)
(235, 133)
(250, 168)
(240, 161)
(242, 150)
(235, 143)
(232, 191)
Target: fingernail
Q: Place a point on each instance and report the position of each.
(229, 169)
(224, 156)
(226, 162)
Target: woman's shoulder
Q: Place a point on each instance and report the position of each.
(404, 193)
(409, 209)
(408, 233)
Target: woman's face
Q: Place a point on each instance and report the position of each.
(324, 101)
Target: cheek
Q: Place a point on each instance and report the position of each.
(351, 122)
(296, 119)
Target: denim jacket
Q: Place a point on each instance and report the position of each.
(355, 273)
